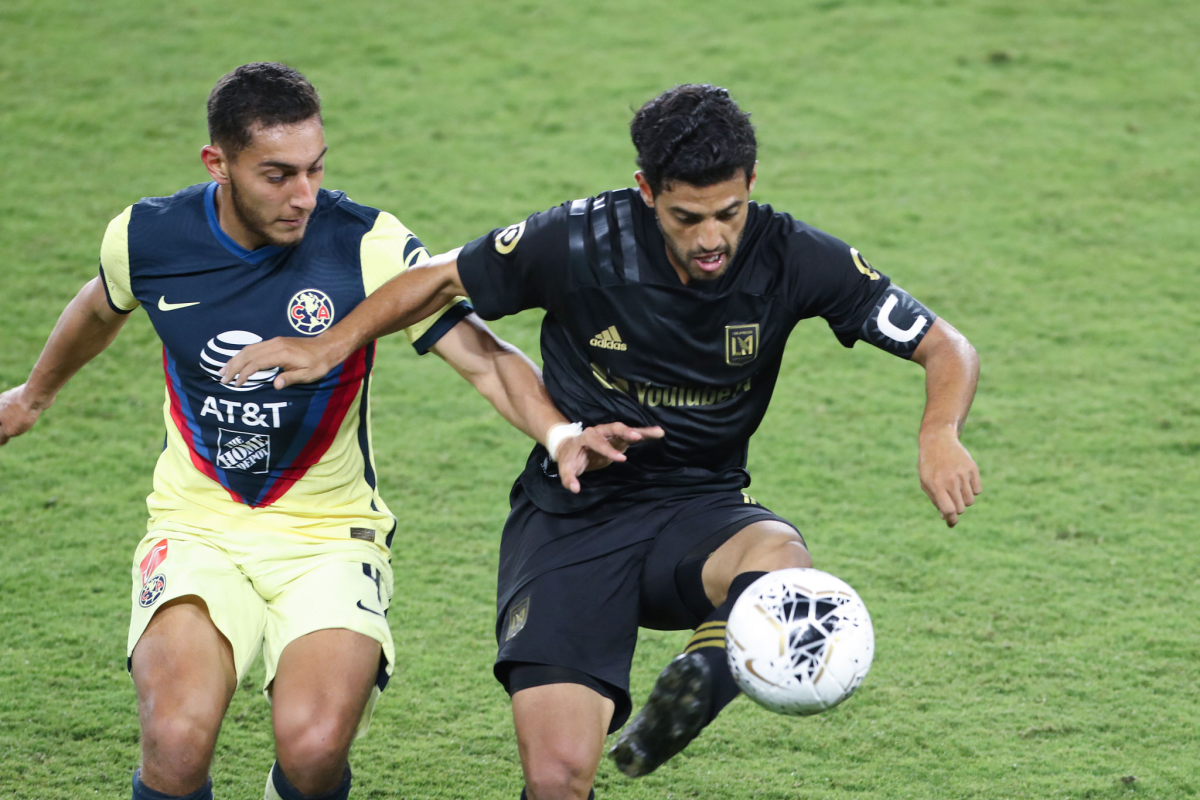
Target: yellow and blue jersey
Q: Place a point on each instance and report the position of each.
(254, 458)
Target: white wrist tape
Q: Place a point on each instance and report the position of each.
(558, 433)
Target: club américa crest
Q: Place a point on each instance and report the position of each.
(153, 583)
(152, 590)
(310, 311)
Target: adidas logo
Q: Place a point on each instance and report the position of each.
(608, 339)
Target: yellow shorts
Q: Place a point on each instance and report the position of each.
(267, 590)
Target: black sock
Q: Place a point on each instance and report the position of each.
(285, 789)
(143, 792)
(709, 642)
(591, 794)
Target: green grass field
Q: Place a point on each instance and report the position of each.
(1028, 170)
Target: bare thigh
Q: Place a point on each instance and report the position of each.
(184, 672)
(321, 689)
(560, 735)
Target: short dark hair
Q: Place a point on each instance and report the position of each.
(693, 133)
(265, 93)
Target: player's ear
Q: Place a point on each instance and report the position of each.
(753, 177)
(644, 188)
(215, 162)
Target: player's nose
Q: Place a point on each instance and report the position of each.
(305, 196)
(710, 235)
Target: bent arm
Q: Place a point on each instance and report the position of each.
(504, 375)
(513, 384)
(948, 473)
(85, 328)
(400, 303)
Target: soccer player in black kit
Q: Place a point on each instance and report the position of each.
(668, 307)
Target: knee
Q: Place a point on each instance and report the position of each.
(562, 774)
(779, 551)
(312, 746)
(178, 747)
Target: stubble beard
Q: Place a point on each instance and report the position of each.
(686, 259)
(255, 223)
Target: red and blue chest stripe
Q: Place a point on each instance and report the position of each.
(328, 404)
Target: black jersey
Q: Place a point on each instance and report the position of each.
(625, 340)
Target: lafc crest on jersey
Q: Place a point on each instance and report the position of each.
(741, 344)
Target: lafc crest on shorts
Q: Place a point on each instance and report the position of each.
(518, 615)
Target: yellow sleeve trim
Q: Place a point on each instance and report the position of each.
(383, 256)
(383, 251)
(114, 259)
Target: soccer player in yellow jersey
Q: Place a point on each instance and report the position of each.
(266, 531)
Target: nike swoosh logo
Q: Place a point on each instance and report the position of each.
(370, 610)
(163, 305)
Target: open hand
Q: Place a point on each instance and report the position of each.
(299, 361)
(596, 448)
(949, 475)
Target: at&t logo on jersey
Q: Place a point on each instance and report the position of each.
(225, 346)
(310, 311)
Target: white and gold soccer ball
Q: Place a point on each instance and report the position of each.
(799, 641)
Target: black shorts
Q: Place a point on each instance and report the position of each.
(574, 588)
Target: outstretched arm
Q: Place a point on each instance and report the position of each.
(501, 373)
(513, 384)
(948, 473)
(85, 328)
(403, 301)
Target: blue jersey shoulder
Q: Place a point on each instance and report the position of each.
(339, 223)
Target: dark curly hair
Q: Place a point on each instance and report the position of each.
(266, 93)
(693, 133)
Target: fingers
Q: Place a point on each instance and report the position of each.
(967, 490)
(626, 432)
(951, 495)
(569, 477)
(595, 448)
(15, 416)
(947, 506)
(294, 376)
(243, 364)
(256, 358)
(623, 435)
(574, 462)
(601, 445)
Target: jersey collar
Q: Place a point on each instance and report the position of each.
(255, 257)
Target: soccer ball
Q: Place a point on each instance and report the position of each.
(799, 641)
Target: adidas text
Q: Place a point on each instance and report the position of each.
(608, 339)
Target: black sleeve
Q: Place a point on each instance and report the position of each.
(834, 281)
(518, 267)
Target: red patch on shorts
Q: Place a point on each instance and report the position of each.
(156, 556)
